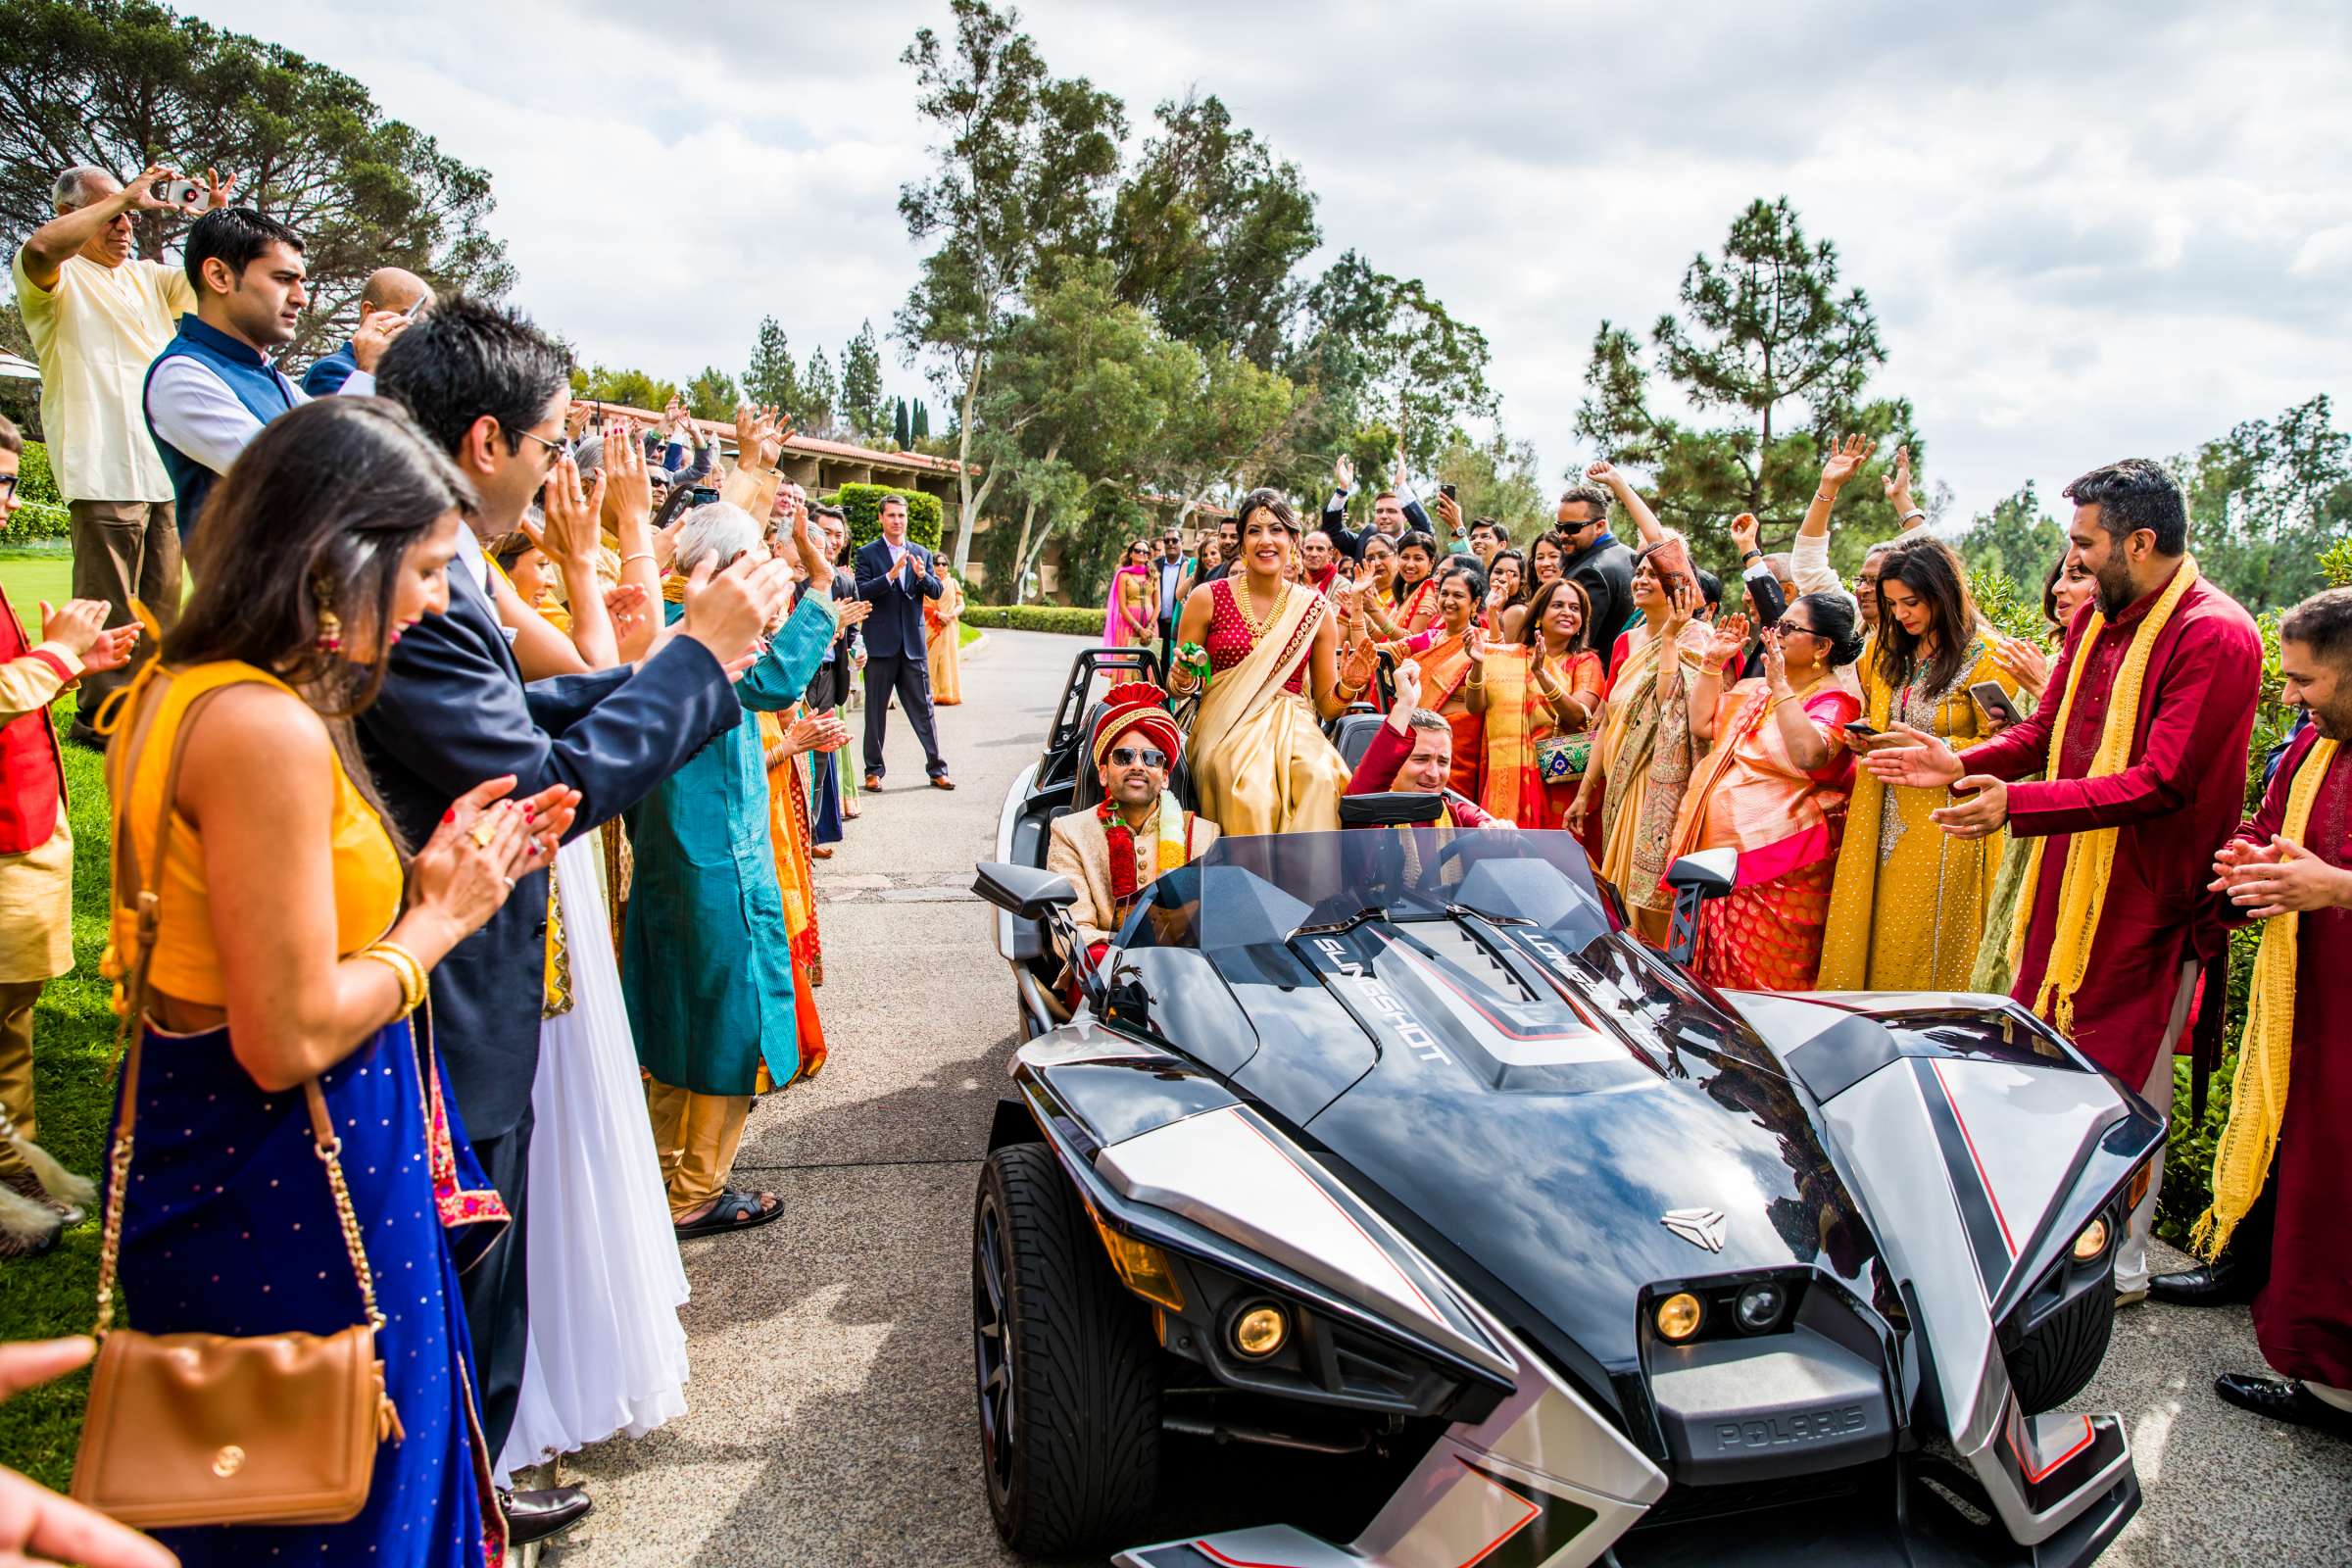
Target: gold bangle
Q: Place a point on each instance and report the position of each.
(405, 968)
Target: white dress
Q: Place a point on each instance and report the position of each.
(606, 1352)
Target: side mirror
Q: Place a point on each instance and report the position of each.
(1023, 890)
(1696, 878)
(1394, 809)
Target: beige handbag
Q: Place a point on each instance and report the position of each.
(207, 1429)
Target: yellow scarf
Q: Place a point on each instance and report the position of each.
(2241, 1161)
(2089, 855)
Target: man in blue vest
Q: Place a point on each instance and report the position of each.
(213, 388)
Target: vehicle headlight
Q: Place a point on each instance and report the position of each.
(2093, 1242)
(1258, 1331)
(1759, 1308)
(1142, 1267)
(1679, 1316)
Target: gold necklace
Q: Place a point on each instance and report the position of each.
(1242, 601)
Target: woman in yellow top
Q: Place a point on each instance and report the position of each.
(285, 954)
(943, 631)
(1909, 906)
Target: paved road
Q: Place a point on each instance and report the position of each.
(831, 1399)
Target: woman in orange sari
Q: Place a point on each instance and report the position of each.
(1774, 788)
(1532, 696)
(1451, 655)
(785, 737)
(943, 635)
(1413, 594)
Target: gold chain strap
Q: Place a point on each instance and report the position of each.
(131, 1031)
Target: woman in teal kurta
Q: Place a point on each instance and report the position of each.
(705, 959)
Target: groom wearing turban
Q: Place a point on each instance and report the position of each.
(1140, 830)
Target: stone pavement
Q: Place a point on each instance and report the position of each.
(831, 1407)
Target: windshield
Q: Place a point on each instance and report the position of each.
(1246, 892)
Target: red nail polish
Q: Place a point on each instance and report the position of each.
(529, 811)
(450, 816)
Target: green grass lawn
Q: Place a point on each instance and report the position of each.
(32, 576)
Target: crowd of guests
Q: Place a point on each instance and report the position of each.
(463, 815)
(1917, 799)
(464, 809)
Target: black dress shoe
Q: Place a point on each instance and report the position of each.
(536, 1515)
(2282, 1401)
(2228, 1283)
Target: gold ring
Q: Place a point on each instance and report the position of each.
(482, 831)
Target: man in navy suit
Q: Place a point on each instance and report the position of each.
(895, 577)
(492, 390)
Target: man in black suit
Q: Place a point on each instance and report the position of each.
(1595, 560)
(492, 390)
(895, 577)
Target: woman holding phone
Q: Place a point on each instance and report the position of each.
(1910, 904)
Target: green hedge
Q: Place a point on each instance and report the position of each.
(34, 480)
(862, 504)
(37, 520)
(43, 514)
(1075, 621)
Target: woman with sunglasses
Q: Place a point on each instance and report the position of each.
(1774, 788)
(1131, 609)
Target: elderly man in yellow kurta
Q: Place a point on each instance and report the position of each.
(36, 875)
(1140, 831)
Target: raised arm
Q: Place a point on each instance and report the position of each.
(49, 247)
(1644, 520)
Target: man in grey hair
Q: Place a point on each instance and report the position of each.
(97, 314)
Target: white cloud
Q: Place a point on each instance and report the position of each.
(2089, 230)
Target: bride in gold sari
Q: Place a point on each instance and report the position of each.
(1641, 762)
(1260, 761)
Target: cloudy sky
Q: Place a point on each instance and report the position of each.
(2089, 230)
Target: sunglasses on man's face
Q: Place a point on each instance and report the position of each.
(1138, 755)
(8, 488)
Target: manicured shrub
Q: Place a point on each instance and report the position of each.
(1070, 620)
(862, 504)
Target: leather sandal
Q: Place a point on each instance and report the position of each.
(733, 1211)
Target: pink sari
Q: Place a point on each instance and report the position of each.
(1124, 627)
(1749, 795)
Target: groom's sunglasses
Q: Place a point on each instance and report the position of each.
(1132, 756)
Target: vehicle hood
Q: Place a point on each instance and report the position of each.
(1537, 1111)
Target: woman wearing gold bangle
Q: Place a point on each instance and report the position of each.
(286, 953)
(1259, 756)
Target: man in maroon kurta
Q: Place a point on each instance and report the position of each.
(2177, 797)
(2303, 1317)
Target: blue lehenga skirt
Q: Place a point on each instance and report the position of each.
(229, 1228)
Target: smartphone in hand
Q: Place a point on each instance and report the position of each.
(1996, 701)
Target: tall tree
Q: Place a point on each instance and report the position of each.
(1770, 345)
(630, 388)
(1207, 230)
(771, 378)
(119, 83)
(1024, 159)
(1380, 349)
(901, 429)
(2267, 501)
(713, 394)
(922, 422)
(817, 394)
(861, 407)
(2017, 538)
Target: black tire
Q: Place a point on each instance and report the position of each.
(1067, 1368)
(2053, 1363)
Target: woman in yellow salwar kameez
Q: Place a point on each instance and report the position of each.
(1261, 761)
(1909, 907)
(943, 631)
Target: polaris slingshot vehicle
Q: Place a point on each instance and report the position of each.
(1396, 1142)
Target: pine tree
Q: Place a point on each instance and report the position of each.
(772, 378)
(860, 404)
(815, 413)
(900, 427)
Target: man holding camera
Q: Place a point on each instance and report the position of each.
(97, 313)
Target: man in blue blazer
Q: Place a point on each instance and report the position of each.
(895, 575)
(492, 390)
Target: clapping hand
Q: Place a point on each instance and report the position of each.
(486, 844)
(81, 629)
(848, 612)
(632, 627)
(1474, 646)
(628, 487)
(1978, 816)
(1343, 471)
(2281, 878)
(1776, 663)
(1845, 461)
(759, 434)
(1920, 762)
(37, 1525)
(1899, 481)
(567, 535)
(816, 732)
(1731, 636)
(2027, 665)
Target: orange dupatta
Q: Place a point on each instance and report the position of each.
(1445, 667)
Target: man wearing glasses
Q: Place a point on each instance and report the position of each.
(1140, 831)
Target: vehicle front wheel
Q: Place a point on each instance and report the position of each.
(2056, 1361)
(1066, 1365)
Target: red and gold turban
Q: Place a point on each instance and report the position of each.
(1138, 706)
